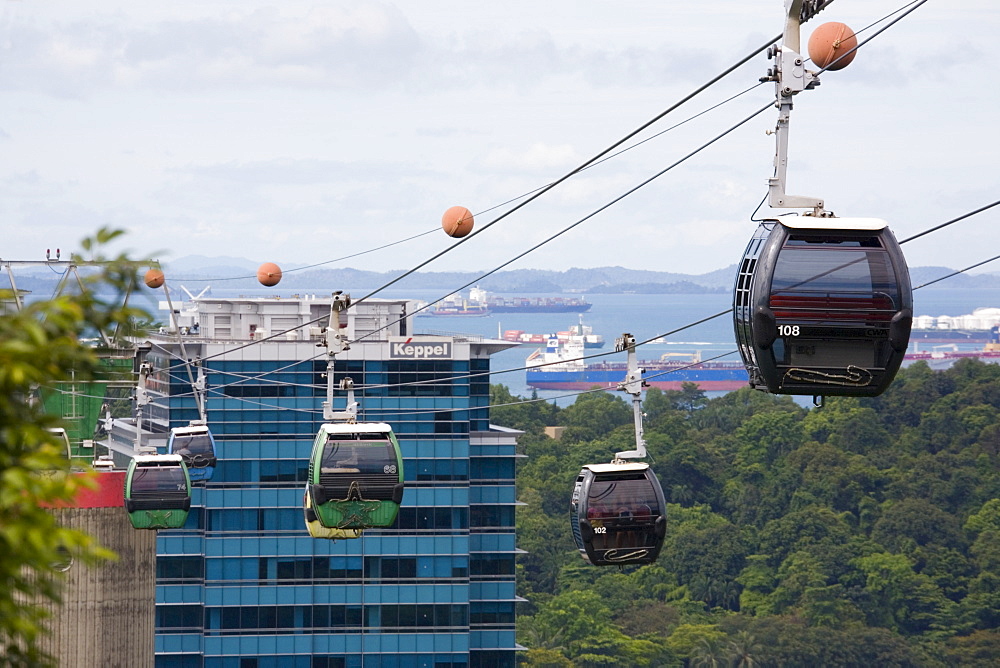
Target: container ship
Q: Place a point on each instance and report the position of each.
(454, 305)
(499, 304)
(482, 303)
(560, 367)
(578, 334)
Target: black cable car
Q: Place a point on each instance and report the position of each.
(823, 306)
(197, 446)
(618, 514)
(157, 492)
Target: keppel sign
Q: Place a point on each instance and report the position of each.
(419, 348)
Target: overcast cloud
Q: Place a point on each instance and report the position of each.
(300, 132)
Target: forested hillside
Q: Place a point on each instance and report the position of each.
(862, 533)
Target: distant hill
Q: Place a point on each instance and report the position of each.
(610, 280)
(236, 272)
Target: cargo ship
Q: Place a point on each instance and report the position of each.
(560, 367)
(499, 304)
(481, 302)
(579, 333)
(454, 305)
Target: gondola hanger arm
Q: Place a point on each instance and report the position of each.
(632, 384)
(790, 77)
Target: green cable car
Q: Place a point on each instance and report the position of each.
(157, 492)
(317, 530)
(355, 475)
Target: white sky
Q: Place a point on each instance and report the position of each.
(301, 132)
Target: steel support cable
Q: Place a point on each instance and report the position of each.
(707, 318)
(484, 373)
(592, 160)
(575, 171)
(597, 159)
(591, 214)
(597, 355)
(515, 258)
(914, 6)
(950, 222)
(320, 264)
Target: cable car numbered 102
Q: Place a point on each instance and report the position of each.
(618, 514)
(356, 475)
(823, 306)
(157, 492)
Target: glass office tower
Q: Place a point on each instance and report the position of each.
(243, 585)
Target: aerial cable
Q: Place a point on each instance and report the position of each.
(520, 255)
(597, 159)
(490, 373)
(578, 169)
(566, 176)
(955, 273)
(597, 355)
(635, 145)
(588, 216)
(593, 356)
(320, 264)
(589, 162)
(953, 220)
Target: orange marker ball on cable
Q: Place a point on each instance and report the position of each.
(154, 278)
(269, 274)
(457, 221)
(830, 42)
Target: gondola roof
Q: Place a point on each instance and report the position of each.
(815, 223)
(191, 430)
(617, 468)
(355, 428)
(158, 459)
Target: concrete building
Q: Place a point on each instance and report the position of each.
(243, 585)
(106, 616)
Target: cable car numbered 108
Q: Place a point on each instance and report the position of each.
(356, 475)
(823, 306)
(618, 514)
(157, 492)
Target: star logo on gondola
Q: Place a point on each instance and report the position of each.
(160, 519)
(356, 509)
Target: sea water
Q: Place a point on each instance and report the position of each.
(645, 316)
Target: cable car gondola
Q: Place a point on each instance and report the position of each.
(317, 530)
(60, 435)
(823, 306)
(157, 492)
(197, 446)
(618, 514)
(356, 475)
